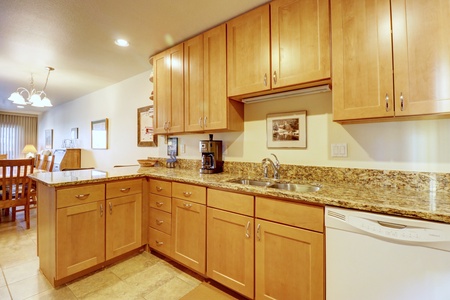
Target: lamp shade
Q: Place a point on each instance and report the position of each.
(29, 149)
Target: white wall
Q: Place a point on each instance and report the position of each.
(408, 145)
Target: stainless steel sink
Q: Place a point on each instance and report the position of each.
(295, 187)
(251, 182)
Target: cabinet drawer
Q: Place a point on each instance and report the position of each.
(80, 195)
(161, 187)
(234, 202)
(160, 220)
(290, 213)
(159, 241)
(189, 192)
(161, 202)
(123, 188)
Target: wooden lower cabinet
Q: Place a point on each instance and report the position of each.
(123, 224)
(289, 262)
(80, 238)
(82, 228)
(189, 234)
(230, 249)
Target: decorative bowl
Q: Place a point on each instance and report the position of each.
(146, 162)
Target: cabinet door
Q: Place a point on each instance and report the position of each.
(177, 90)
(248, 49)
(230, 250)
(421, 57)
(193, 83)
(123, 224)
(300, 35)
(168, 90)
(80, 237)
(189, 234)
(362, 59)
(215, 80)
(289, 262)
(161, 92)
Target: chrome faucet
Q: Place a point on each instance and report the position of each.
(275, 166)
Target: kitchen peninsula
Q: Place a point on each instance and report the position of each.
(82, 208)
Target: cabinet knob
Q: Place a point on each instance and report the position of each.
(159, 222)
(159, 204)
(158, 243)
(159, 189)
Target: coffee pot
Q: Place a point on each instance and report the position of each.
(211, 156)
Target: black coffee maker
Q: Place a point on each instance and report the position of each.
(211, 156)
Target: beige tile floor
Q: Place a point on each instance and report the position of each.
(144, 276)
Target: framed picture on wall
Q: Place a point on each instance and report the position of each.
(286, 130)
(49, 139)
(145, 135)
(99, 134)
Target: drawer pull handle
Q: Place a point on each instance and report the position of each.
(159, 204)
(386, 98)
(247, 230)
(258, 232)
(158, 243)
(125, 190)
(187, 194)
(159, 189)
(187, 205)
(101, 210)
(82, 196)
(159, 222)
(110, 208)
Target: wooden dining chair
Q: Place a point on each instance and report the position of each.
(46, 164)
(16, 185)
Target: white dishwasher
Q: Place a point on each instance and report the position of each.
(378, 257)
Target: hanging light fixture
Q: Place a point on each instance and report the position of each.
(33, 97)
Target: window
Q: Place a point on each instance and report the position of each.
(15, 132)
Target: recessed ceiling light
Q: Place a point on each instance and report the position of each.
(20, 106)
(121, 43)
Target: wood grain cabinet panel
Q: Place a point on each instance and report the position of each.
(205, 80)
(168, 91)
(80, 238)
(289, 262)
(369, 60)
(189, 234)
(230, 250)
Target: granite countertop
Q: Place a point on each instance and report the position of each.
(427, 205)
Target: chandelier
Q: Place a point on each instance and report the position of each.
(33, 97)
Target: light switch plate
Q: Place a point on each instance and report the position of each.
(339, 150)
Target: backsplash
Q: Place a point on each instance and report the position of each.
(420, 181)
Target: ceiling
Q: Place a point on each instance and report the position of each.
(77, 39)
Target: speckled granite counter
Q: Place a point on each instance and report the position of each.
(429, 204)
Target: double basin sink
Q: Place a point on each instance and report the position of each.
(294, 187)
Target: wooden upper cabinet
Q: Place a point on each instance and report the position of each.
(367, 65)
(248, 50)
(206, 104)
(362, 59)
(168, 90)
(193, 83)
(421, 56)
(300, 36)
